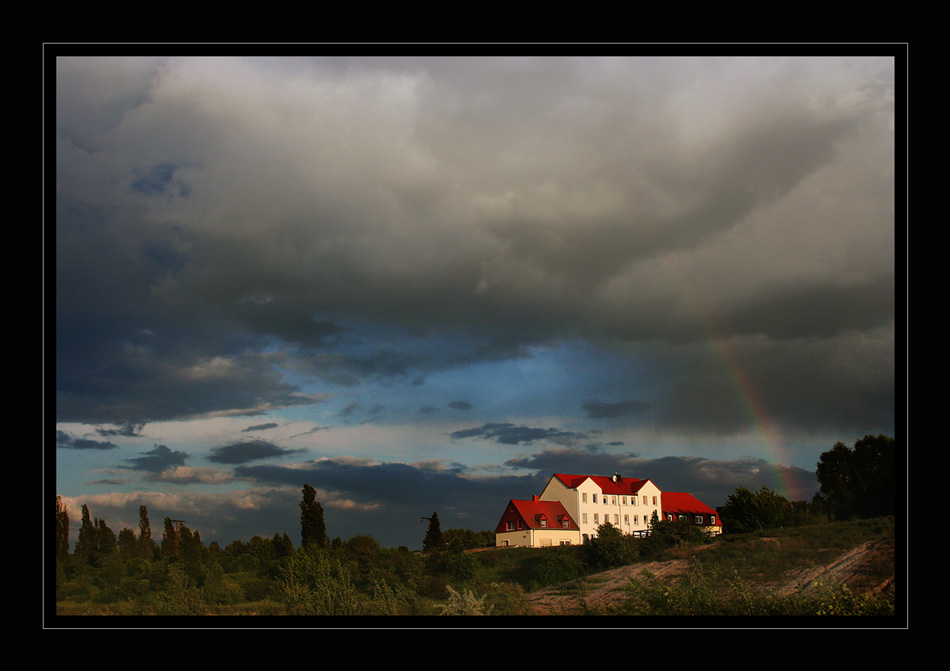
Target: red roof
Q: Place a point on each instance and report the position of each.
(532, 512)
(607, 484)
(684, 504)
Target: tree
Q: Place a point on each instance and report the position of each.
(858, 482)
(169, 539)
(746, 510)
(313, 528)
(86, 543)
(147, 547)
(433, 539)
(128, 544)
(62, 529)
(610, 547)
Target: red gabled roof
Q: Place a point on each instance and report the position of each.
(606, 483)
(685, 504)
(532, 512)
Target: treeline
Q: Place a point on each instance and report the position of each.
(854, 483)
(178, 574)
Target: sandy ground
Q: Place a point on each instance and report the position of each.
(869, 566)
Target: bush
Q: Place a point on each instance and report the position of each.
(611, 547)
(558, 566)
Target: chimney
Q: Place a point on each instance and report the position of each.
(616, 477)
(535, 497)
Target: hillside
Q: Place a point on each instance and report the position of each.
(867, 566)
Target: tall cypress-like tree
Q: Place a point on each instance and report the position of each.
(146, 544)
(86, 543)
(433, 539)
(62, 529)
(313, 528)
(170, 539)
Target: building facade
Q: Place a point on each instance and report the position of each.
(627, 503)
(683, 506)
(571, 508)
(536, 523)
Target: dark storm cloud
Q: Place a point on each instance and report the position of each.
(405, 491)
(127, 431)
(710, 480)
(244, 452)
(245, 216)
(511, 434)
(67, 441)
(159, 459)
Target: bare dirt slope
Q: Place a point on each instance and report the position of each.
(869, 567)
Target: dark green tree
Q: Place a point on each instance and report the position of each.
(313, 528)
(169, 540)
(610, 547)
(62, 529)
(147, 547)
(746, 510)
(107, 544)
(858, 482)
(433, 539)
(86, 543)
(128, 544)
(283, 546)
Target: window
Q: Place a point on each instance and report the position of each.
(636, 520)
(583, 497)
(712, 519)
(654, 500)
(584, 518)
(595, 498)
(565, 543)
(565, 524)
(626, 520)
(613, 500)
(623, 500)
(596, 518)
(510, 526)
(699, 519)
(644, 500)
(616, 519)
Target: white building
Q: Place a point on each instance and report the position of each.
(627, 503)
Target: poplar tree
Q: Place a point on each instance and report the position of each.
(146, 544)
(313, 528)
(62, 529)
(433, 539)
(169, 539)
(86, 543)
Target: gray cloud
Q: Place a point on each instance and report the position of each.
(159, 459)
(244, 452)
(511, 434)
(67, 441)
(644, 198)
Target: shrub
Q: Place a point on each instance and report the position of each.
(558, 566)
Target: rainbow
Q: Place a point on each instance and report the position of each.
(780, 477)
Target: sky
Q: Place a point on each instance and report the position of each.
(426, 284)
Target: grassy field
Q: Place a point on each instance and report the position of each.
(731, 575)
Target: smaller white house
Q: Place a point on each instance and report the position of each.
(535, 523)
